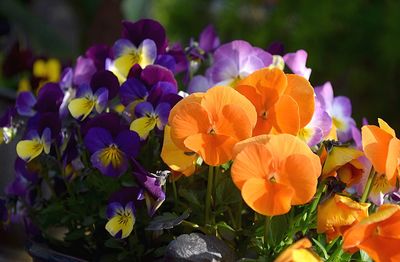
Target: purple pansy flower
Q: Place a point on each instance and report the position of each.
(145, 29)
(297, 63)
(319, 126)
(208, 39)
(85, 101)
(154, 194)
(339, 109)
(110, 155)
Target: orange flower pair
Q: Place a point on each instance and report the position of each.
(211, 123)
(275, 172)
(382, 148)
(284, 102)
(339, 213)
(378, 235)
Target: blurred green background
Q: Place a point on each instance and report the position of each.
(354, 44)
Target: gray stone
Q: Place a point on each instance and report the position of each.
(198, 248)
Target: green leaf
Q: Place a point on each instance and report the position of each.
(114, 243)
(167, 221)
(226, 231)
(321, 247)
(365, 257)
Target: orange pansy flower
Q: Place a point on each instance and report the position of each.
(299, 252)
(275, 172)
(378, 235)
(211, 124)
(177, 159)
(284, 103)
(339, 213)
(382, 148)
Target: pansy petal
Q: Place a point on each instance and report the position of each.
(113, 209)
(176, 158)
(267, 198)
(101, 99)
(214, 149)
(143, 125)
(46, 140)
(132, 90)
(105, 78)
(162, 111)
(285, 115)
(234, 122)
(392, 161)
(259, 157)
(303, 93)
(384, 126)
(84, 90)
(191, 119)
(29, 149)
(110, 161)
(153, 74)
(144, 109)
(97, 138)
(297, 63)
(122, 47)
(147, 52)
(375, 143)
(81, 107)
(24, 104)
(129, 142)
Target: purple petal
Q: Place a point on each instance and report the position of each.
(112, 122)
(122, 46)
(98, 54)
(166, 61)
(235, 50)
(325, 95)
(104, 78)
(208, 40)
(18, 187)
(113, 209)
(131, 90)
(7, 117)
(41, 121)
(102, 99)
(198, 84)
(143, 108)
(97, 138)
(171, 99)
(356, 134)
(49, 98)
(155, 73)
(297, 63)
(66, 79)
(129, 142)
(181, 61)
(160, 90)
(145, 29)
(224, 70)
(162, 110)
(135, 71)
(24, 104)
(84, 70)
(341, 106)
(84, 90)
(28, 170)
(148, 182)
(126, 195)
(109, 170)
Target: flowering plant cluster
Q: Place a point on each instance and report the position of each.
(144, 141)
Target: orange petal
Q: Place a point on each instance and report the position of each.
(214, 149)
(338, 157)
(218, 97)
(285, 115)
(384, 126)
(270, 83)
(193, 98)
(392, 161)
(261, 139)
(375, 143)
(382, 249)
(252, 162)
(263, 126)
(267, 198)
(303, 93)
(284, 145)
(233, 121)
(250, 92)
(191, 119)
(390, 227)
(297, 173)
(177, 159)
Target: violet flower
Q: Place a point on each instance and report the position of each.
(110, 155)
(297, 63)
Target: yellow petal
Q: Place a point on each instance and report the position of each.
(125, 62)
(114, 225)
(143, 126)
(383, 125)
(338, 157)
(176, 158)
(81, 107)
(29, 149)
(53, 70)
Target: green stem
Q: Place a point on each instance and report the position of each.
(368, 186)
(321, 189)
(83, 153)
(239, 214)
(209, 193)
(232, 218)
(267, 232)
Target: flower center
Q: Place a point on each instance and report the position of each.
(124, 217)
(111, 155)
(264, 115)
(135, 56)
